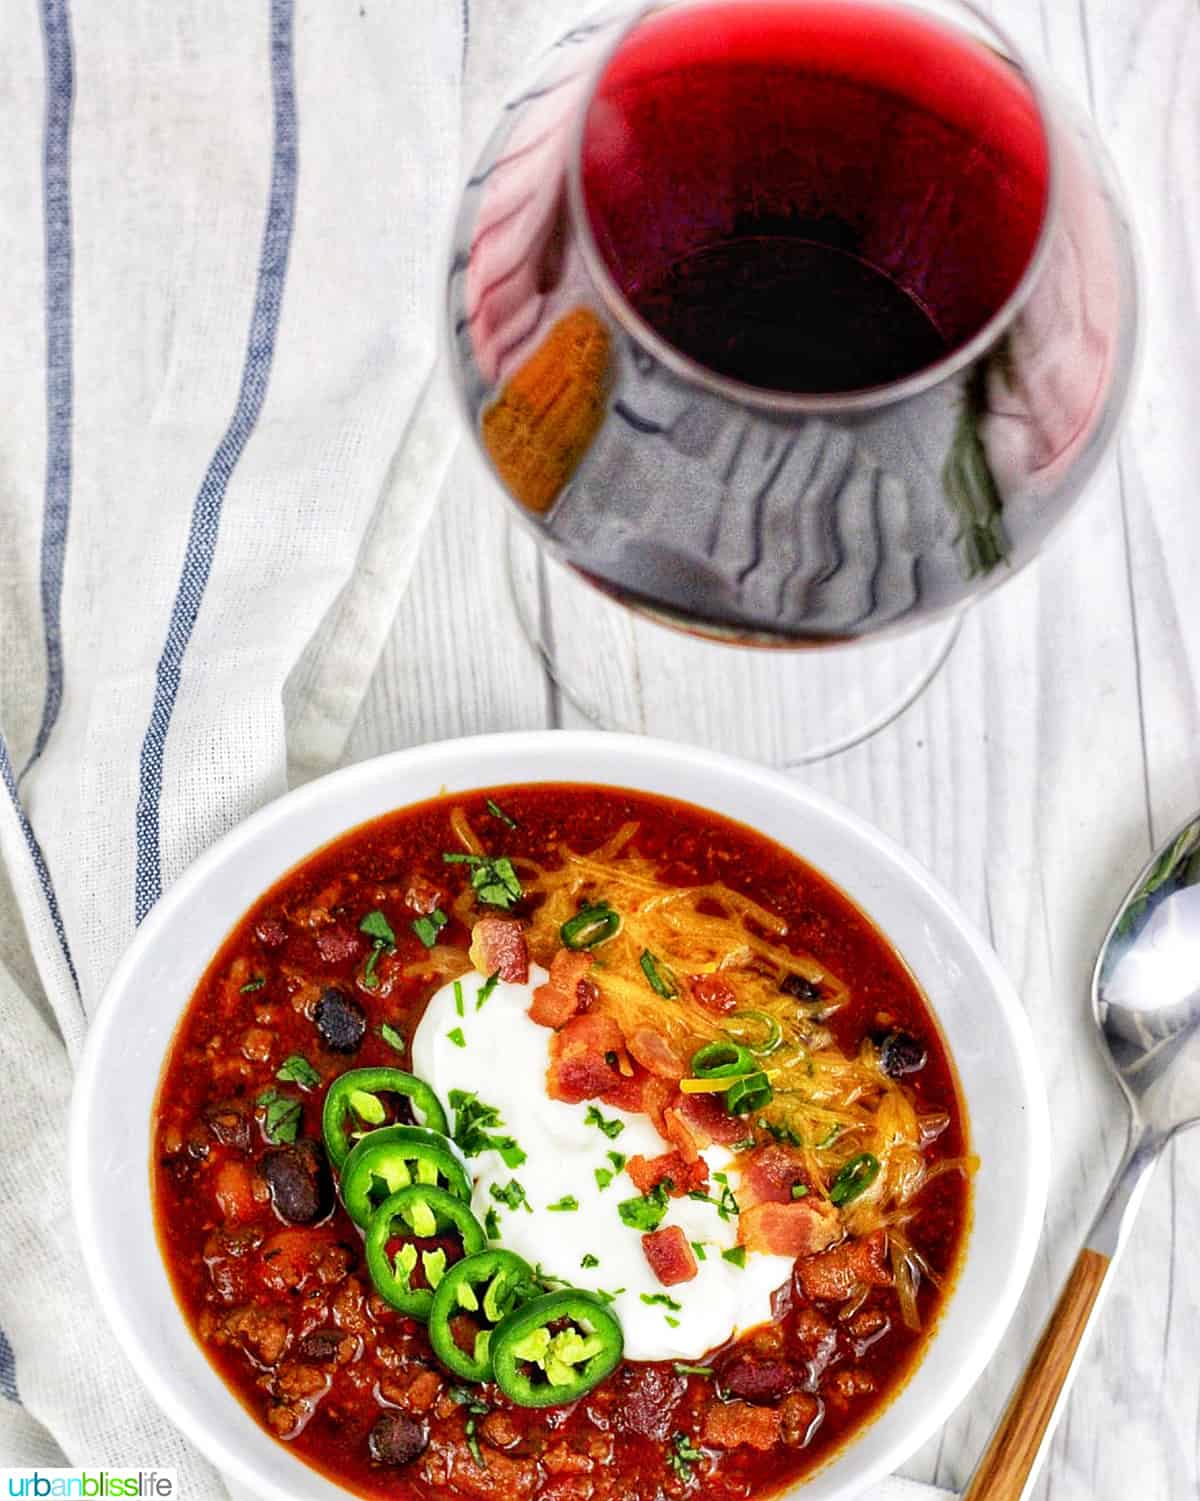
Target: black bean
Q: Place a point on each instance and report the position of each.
(759, 1380)
(901, 1053)
(298, 1178)
(801, 987)
(229, 1122)
(397, 1439)
(340, 1020)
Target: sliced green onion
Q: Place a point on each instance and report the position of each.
(722, 1060)
(660, 980)
(854, 1179)
(746, 1095)
(593, 924)
(774, 1031)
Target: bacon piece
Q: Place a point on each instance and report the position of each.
(684, 1177)
(565, 992)
(769, 1175)
(713, 992)
(670, 1257)
(581, 1054)
(798, 1229)
(707, 1120)
(859, 1263)
(498, 947)
(728, 1425)
(656, 1055)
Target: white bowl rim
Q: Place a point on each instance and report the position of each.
(88, 1200)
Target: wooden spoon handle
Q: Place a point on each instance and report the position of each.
(1013, 1451)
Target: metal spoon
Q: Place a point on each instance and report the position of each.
(1146, 1001)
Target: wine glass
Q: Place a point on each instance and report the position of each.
(783, 324)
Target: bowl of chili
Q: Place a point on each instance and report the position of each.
(383, 1189)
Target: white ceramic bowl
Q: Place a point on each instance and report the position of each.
(977, 1007)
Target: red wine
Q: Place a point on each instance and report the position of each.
(812, 195)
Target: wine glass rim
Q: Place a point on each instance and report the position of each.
(817, 403)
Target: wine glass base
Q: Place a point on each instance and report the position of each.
(624, 671)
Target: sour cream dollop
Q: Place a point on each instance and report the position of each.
(496, 1052)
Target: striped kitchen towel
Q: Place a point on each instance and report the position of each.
(221, 225)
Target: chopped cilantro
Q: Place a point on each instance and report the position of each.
(567, 1203)
(296, 1069)
(484, 993)
(473, 1122)
(497, 811)
(255, 983)
(465, 1397)
(589, 1261)
(428, 928)
(663, 1300)
(491, 1225)
(281, 1115)
(726, 1205)
(645, 1212)
(799, 1190)
(607, 1297)
(376, 926)
(611, 1128)
(736, 1255)
(512, 1195)
(674, 1323)
(456, 1037)
(698, 1248)
(682, 1455)
(493, 879)
(458, 998)
(604, 1175)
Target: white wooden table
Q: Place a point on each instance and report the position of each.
(1059, 745)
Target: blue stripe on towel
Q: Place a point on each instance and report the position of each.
(35, 855)
(56, 208)
(206, 512)
(8, 1370)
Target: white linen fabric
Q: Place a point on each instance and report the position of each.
(220, 436)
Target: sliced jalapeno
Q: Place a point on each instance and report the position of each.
(420, 1212)
(353, 1099)
(555, 1349)
(395, 1157)
(473, 1297)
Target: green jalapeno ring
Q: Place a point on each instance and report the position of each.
(593, 924)
(425, 1212)
(573, 1360)
(370, 1082)
(722, 1060)
(490, 1284)
(399, 1156)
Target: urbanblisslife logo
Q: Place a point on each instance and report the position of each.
(154, 1485)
